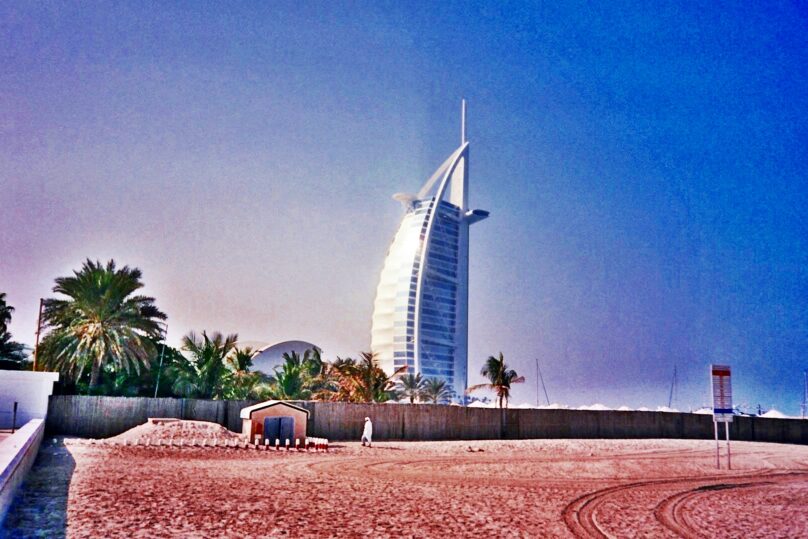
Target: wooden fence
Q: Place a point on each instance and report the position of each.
(101, 417)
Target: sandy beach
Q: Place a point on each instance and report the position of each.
(528, 488)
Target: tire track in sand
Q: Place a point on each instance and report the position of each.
(580, 515)
(672, 512)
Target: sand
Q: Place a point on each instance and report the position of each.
(154, 431)
(529, 488)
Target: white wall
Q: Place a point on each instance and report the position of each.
(17, 455)
(30, 390)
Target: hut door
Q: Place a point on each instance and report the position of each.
(272, 429)
(287, 428)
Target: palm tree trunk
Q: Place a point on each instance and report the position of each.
(95, 374)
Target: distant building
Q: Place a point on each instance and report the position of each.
(420, 316)
(271, 356)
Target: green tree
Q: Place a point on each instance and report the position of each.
(291, 376)
(203, 372)
(500, 378)
(321, 377)
(411, 386)
(102, 325)
(313, 362)
(160, 376)
(435, 390)
(243, 384)
(241, 359)
(12, 354)
(136, 384)
(365, 381)
(5, 313)
(340, 381)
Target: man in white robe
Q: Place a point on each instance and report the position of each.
(367, 434)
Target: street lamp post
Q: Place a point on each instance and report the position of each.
(541, 378)
(38, 331)
(162, 353)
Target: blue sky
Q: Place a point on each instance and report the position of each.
(644, 166)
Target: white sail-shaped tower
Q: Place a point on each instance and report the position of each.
(420, 317)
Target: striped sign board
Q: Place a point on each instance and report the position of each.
(722, 393)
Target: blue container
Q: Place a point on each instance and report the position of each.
(272, 429)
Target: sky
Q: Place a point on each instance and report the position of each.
(645, 167)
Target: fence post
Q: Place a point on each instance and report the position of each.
(14, 418)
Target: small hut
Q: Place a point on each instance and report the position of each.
(274, 420)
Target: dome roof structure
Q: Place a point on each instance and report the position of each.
(271, 356)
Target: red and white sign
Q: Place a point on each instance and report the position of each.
(722, 393)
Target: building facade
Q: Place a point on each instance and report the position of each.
(420, 317)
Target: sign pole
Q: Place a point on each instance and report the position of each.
(729, 458)
(717, 449)
(722, 407)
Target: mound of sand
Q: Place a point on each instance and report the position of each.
(164, 430)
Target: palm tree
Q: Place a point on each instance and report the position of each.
(342, 380)
(204, 373)
(436, 390)
(12, 354)
(241, 359)
(371, 383)
(5, 313)
(290, 377)
(366, 381)
(411, 386)
(243, 384)
(313, 363)
(500, 378)
(101, 324)
(321, 377)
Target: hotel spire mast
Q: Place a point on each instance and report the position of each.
(462, 122)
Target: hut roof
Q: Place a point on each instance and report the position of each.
(247, 412)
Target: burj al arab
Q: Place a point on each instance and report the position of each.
(420, 317)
